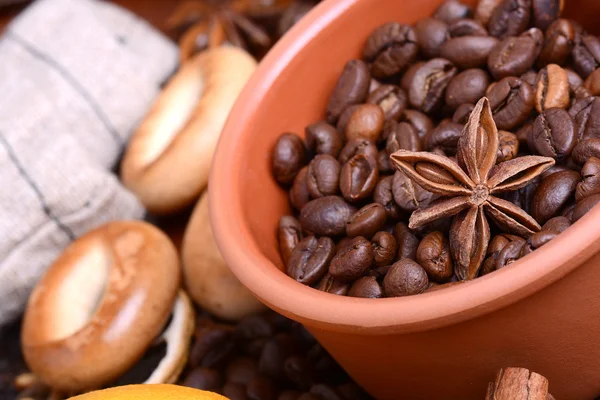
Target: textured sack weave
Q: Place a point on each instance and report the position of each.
(76, 76)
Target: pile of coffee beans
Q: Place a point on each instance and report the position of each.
(414, 89)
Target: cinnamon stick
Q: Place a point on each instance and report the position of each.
(518, 384)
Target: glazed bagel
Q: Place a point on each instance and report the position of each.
(100, 305)
(168, 159)
(150, 392)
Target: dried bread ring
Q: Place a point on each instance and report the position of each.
(100, 305)
(150, 392)
(168, 160)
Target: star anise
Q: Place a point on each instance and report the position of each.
(469, 190)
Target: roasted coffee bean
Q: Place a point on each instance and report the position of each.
(390, 48)
(366, 221)
(552, 88)
(329, 284)
(444, 136)
(298, 371)
(289, 234)
(366, 122)
(274, 354)
(510, 18)
(379, 272)
(431, 33)
(383, 163)
(351, 391)
(552, 194)
(560, 39)
(433, 254)
(402, 136)
(323, 138)
(512, 101)
(345, 117)
(592, 83)
(383, 195)
(586, 149)
(234, 391)
(568, 210)
(462, 114)
(408, 194)
(409, 75)
(515, 55)
(384, 248)
(586, 54)
(586, 113)
(326, 216)
(204, 379)
(299, 194)
(530, 77)
(525, 133)
(590, 183)
(353, 261)
(557, 224)
(405, 278)
(358, 147)
(537, 240)
(374, 85)
(467, 27)
(467, 87)
(289, 156)
(420, 121)
(326, 392)
(584, 206)
(352, 88)
(508, 147)
(554, 134)
(468, 51)
(522, 197)
(366, 287)
(427, 89)
(309, 261)
(323, 176)
(447, 285)
(261, 389)
(498, 242)
(391, 98)
(359, 177)
(509, 254)
(242, 370)
(214, 347)
(545, 12)
(406, 241)
(452, 10)
(484, 10)
(252, 332)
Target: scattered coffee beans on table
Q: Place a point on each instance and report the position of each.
(453, 148)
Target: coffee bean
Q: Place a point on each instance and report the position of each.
(584, 206)
(508, 147)
(329, 284)
(444, 136)
(356, 147)
(560, 40)
(484, 10)
(537, 240)
(351, 391)
(234, 391)
(366, 287)
(323, 176)
(590, 183)
(420, 121)
(261, 389)
(554, 134)
(408, 194)
(431, 33)
(390, 48)
(433, 254)
(524, 133)
(402, 136)
(592, 83)
(242, 370)
(326, 216)
(345, 118)
(359, 177)
(379, 272)
(586, 54)
(468, 51)
(510, 18)
(213, 348)
(383, 163)
(557, 224)
(586, 113)
(274, 354)
(366, 122)
(384, 248)
(462, 113)
(552, 88)
(366, 221)
(552, 194)
(391, 98)
(509, 254)
(467, 27)
(427, 88)
(310, 258)
(252, 332)
(204, 379)
(530, 77)
(586, 149)
(451, 11)
(299, 194)
(405, 278)
(352, 262)
(512, 101)
(467, 87)
(352, 88)
(515, 55)
(522, 197)
(409, 75)
(323, 138)
(289, 234)
(298, 371)
(406, 241)
(545, 12)
(383, 195)
(289, 156)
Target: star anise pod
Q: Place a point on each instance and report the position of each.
(469, 192)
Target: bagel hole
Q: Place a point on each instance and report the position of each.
(142, 370)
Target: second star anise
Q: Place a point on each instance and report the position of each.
(470, 190)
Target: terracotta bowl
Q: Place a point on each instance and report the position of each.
(542, 312)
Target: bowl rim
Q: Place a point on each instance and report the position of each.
(431, 310)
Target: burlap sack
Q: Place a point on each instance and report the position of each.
(76, 76)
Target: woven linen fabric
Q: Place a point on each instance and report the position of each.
(76, 77)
